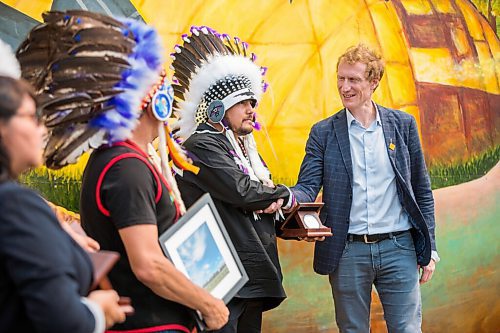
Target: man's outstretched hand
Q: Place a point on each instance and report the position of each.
(272, 207)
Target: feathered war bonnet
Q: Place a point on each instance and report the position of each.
(210, 67)
(212, 73)
(91, 73)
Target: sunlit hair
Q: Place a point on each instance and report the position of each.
(365, 55)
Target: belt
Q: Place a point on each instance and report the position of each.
(368, 239)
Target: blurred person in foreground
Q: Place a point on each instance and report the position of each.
(45, 275)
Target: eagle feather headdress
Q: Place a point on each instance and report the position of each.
(91, 73)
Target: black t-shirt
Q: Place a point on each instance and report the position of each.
(129, 194)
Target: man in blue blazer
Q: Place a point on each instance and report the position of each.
(378, 202)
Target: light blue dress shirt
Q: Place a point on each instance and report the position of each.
(375, 204)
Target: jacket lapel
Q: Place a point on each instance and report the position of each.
(342, 135)
(389, 129)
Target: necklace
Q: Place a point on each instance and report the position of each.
(243, 149)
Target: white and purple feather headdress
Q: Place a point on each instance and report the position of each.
(210, 66)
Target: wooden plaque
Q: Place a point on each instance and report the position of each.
(103, 262)
(304, 221)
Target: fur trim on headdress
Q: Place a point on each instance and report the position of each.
(10, 66)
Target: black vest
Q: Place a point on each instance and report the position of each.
(151, 310)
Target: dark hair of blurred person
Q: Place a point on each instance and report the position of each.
(17, 101)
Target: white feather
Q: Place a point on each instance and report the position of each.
(10, 66)
(94, 142)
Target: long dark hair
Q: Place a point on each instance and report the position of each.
(12, 92)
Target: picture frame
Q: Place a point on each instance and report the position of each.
(199, 246)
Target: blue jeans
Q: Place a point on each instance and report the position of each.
(391, 266)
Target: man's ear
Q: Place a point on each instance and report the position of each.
(374, 84)
(149, 110)
(148, 113)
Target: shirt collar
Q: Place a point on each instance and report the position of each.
(350, 117)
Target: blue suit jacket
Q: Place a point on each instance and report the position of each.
(328, 164)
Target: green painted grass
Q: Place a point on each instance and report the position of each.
(476, 167)
(62, 191)
(465, 252)
(65, 191)
(446, 175)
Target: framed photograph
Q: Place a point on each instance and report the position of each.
(199, 246)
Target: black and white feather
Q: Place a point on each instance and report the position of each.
(90, 73)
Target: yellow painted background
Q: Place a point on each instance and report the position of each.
(300, 43)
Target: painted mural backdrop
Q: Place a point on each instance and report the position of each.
(443, 67)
